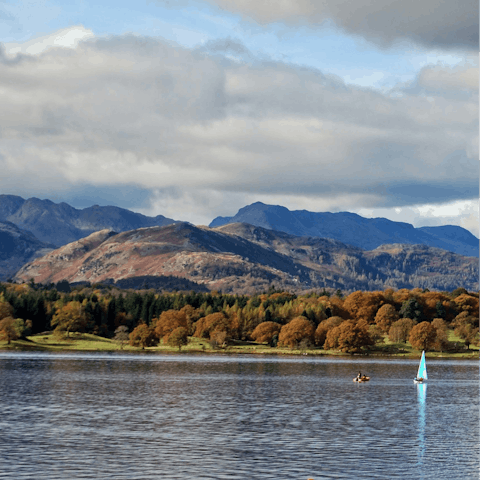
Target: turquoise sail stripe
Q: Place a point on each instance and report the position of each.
(422, 368)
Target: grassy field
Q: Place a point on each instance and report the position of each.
(87, 342)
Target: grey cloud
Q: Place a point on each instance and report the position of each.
(431, 23)
(7, 60)
(225, 45)
(137, 111)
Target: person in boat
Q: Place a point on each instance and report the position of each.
(359, 376)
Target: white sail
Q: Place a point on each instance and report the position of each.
(422, 368)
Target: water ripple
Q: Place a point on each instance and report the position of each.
(116, 417)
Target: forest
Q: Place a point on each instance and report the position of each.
(358, 322)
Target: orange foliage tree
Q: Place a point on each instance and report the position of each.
(466, 327)
(8, 331)
(433, 302)
(69, 318)
(324, 327)
(363, 305)
(143, 336)
(467, 303)
(349, 336)
(6, 310)
(265, 331)
(211, 325)
(441, 341)
(385, 316)
(169, 321)
(178, 337)
(423, 336)
(298, 330)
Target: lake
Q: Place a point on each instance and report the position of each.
(122, 416)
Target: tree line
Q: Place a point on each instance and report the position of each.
(351, 323)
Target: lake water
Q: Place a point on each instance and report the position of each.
(119, 416)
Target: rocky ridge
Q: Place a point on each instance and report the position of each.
(353, 229)
(60, 223)
(242, 258)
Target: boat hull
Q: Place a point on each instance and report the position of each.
(361, 380)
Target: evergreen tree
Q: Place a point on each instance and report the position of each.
(111, 314)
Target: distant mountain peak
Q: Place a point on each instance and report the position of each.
(353, 229)
(60, 223)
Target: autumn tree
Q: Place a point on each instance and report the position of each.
(323, 328)
(218, 338)
(423, 336)
(192, 315)
(334, 307)
(441, 341)
(349, 336)
(363, 305)
(400, 330)
(215, 322)
(178, 337)
(69, 318)
(467, 303)
(385, 316)
(435, 304)
(298, 330)
(6, 310)
(376, 334)
(8, 332)
(143, 336)
(265, 331)
(168, 322)
(466, 327)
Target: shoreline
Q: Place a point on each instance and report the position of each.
(92, 344)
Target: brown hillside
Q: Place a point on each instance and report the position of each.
(243, 258)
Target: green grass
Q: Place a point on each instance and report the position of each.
(76, 342)
(87, 342)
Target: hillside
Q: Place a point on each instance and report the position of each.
(242, 258)
(59, 223)
(352, 229)
(17, 247)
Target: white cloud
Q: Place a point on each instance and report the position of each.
(463, 213)
(206, 134)
(65, 37)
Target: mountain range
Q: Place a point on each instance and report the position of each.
(60, 223)
(260, 245)
(352, 229)
(18, 247)
(242, 258)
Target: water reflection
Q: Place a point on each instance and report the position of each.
(422, 400)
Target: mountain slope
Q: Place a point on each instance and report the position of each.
(242, 258)
(17, 247)
(59, 223)
(350, 228)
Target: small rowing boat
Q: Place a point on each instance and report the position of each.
(361, 378)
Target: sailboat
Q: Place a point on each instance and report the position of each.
(422, 370)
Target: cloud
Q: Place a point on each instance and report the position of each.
(197, 130)
(65, 37)
(436, 24)
(462, 213)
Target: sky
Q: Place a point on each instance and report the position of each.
(194, 109)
